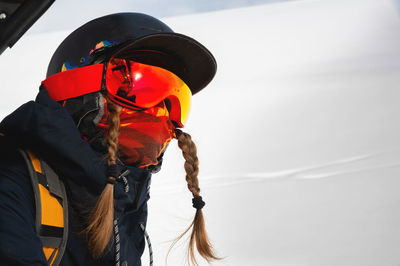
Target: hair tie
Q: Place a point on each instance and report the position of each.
(198, 202)
(111, 180)
(112, 171)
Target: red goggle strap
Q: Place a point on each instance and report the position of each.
(74, 82)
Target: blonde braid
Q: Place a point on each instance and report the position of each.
(199, 234)
(100, 221)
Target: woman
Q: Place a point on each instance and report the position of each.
(117, 91)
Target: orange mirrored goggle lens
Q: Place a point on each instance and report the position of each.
(135, 85)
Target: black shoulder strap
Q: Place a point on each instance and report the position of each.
(51, 207)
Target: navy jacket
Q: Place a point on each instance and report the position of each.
(45, 127)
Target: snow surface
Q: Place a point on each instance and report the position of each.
(298, 134)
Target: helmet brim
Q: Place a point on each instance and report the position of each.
(178, 53)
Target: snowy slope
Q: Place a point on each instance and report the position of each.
(298, 135)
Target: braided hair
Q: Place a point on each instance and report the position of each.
(100, 220)
(198, 235)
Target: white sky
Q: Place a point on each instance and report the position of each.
(71, 14)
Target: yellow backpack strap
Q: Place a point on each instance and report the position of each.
(51, 207)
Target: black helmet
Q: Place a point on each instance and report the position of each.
(159, 46)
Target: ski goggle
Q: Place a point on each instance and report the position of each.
(130, 84)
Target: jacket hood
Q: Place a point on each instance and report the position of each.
(47, 129)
